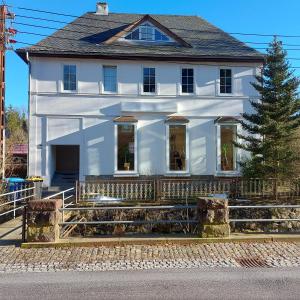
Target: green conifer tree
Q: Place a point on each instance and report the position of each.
(268, 131)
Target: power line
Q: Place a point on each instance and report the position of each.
(118, 22)
(59, 49)
(102, 27)
(76, 40)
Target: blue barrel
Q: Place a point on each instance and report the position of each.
(15, 183)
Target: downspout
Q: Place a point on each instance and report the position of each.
(28, 115)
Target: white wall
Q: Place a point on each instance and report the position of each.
(85, 118)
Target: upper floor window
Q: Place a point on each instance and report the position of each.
(147, 32)
(225, 81)
(110, 79)
(70, 82)
(187, 81)
(149, 80)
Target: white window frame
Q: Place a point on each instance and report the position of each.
(237, 151)
(170, 40)
(180, 81)
(187, 149)
(102, 91)
(62, 90)
(219, 82)
(123, 172)
(142, 81)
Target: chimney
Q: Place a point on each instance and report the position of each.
(102, 8)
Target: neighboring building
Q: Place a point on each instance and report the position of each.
(120, 95)
(16, 165)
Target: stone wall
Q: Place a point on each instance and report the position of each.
(43, 217)
(272, 227)
(213, 218)
(208, 219)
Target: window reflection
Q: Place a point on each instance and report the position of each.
(177, 147)
(126, 147)
(228, 135)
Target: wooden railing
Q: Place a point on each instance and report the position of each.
(142, 190)
(170, 189)
(180, 189)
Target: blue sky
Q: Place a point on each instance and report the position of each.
(247, 16)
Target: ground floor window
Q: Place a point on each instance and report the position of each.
(177, 148)
(126, 142)
(227, 148)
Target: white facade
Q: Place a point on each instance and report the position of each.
(85, 117)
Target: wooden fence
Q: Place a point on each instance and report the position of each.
(143, 190)
(180, 189)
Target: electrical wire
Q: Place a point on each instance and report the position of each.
(118, 22)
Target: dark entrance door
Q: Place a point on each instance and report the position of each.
(67, 158)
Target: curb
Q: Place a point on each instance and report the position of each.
(98, 242)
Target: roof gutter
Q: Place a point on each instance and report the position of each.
(255, 59)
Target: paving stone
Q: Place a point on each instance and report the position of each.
(134, 257)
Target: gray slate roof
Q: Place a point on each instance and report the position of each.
(85, 36)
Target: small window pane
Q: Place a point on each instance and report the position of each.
(187, 81)
(177, 147)
(126, 147)
(110, 79)
(69, 78)
(225, 81)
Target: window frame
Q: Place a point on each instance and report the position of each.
(102, 81)
(185, 172)
(194, 81)
(124, 172)
(237, 151)
(62, 85)
(142, 81)
(153, 40)
(219, 81)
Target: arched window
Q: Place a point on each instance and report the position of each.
(147, 32)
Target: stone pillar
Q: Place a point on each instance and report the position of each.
(213, 217)
(43, 217)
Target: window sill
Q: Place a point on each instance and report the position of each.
(126, 174)
(228, 173)
(226, 95)
(177, 174)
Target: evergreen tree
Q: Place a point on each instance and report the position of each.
(268, 131)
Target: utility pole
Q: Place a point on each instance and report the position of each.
(4, 40)
(2, 85)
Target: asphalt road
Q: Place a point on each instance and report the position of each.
(228, 283)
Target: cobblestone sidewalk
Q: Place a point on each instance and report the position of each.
(134, 257)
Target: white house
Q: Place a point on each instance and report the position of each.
(128, 95)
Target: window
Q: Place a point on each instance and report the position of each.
(110, 79)
(228, 151)
(187, 81)
(147, 32)
(126, 147)
(149, 80)
(225, 81)
(177, 148)
(70, 83)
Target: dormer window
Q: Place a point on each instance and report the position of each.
(147, 32)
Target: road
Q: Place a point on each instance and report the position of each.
(225, 283)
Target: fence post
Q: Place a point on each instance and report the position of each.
(63, 204)
(213, 217)
(76, 191)
(24, 224)
(15, 196)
